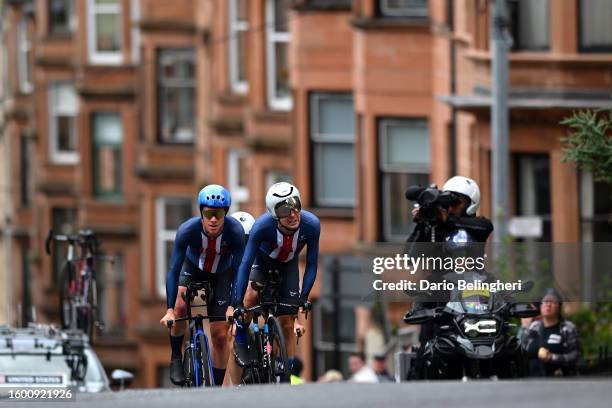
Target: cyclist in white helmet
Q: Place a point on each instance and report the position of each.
(246, 219)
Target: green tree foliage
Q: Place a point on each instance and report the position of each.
(589, 143)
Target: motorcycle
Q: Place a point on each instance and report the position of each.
(473, 335)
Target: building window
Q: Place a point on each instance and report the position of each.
(277, 39)
(595, 30)
(107, 135)
(176, 96)
(60, 17)
(25, 56)
(135, 31)
(170, 212)
(237, 174)
(276, 176)
(529, 24)
(63, 106)
(403, 8)
(63, 221)
(104, 31)
(111, 292)
(404, 160)
(238, 11)
(596, 209)
(532, 186)
(24, 170)
(332, 133)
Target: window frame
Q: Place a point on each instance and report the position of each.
(180, 83)
(70, 23)
(384, 11)
(135, 16)
(315, 139)
(24, 57)
(236, 28)
(272, 38)
(385, 169)
(515, 27)
(240, 192)
(162, 236)
(56, 156)
(103, 57)
(98, 192)
(587, 49)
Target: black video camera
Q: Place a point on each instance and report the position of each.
(430, 200)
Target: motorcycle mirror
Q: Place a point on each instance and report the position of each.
(527, 286)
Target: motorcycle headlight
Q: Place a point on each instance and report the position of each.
(475, 328)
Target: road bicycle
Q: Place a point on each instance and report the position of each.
(267, 361)
(78, 298)
(196, 357)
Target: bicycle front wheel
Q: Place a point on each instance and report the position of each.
(205, 361)
(277, 351)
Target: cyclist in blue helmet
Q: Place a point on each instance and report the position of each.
(206, 248)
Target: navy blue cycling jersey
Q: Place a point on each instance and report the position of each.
(266, 238)
(212, 255)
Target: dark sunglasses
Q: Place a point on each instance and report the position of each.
(285, 208)
(218, 213)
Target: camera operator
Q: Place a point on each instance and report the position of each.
(455, 209)
(440, 213)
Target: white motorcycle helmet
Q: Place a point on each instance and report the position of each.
(246, 219)
(282, 193)
(467, 187)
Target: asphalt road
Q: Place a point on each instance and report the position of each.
(489, 394)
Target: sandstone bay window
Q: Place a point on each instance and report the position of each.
(176, 95)
(107, 136)
(277, 39)
(404, 160)
(238, 11)
(332, 134)
(104, 31)
(170, 213)
(63, 107)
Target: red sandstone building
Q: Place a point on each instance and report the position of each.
(118, 111)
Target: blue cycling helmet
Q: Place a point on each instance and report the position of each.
(214, 195)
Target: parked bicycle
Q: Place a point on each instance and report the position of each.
(78, 302)
(268, 360)
(196, 358)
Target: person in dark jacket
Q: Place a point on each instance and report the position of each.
(551, 343)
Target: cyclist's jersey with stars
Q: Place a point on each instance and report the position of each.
(268, 240)
(212, 255)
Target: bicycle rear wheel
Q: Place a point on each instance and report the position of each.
(66, 279)
(85, 315)
(277, 350)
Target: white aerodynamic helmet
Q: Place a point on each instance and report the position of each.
(467, 187)
(282, 197)
(245, 219)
